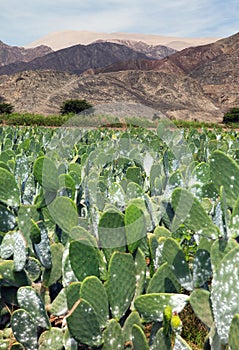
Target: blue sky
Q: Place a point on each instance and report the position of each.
(22, 22)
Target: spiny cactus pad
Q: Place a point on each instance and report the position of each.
(174, 255)
(24, 329)
(84, 259)
(121, 283)
(83, 324)
(151, 306)
(93, 291)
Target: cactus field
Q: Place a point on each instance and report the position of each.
(105, 231)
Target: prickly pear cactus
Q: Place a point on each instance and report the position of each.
(84, 259)
(151, 306)
(201, 304)
(188, 210)
(93, 291)
(139, 339)
(46, 173)
(174, 255)
(225, 171)
(224, 294)
(135, 227)
(51, 339)
(121, 283)
(9, 192)
(24, 329)
(113, 336)
(63, 210)
(84, 325)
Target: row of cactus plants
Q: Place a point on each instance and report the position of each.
(93, 227)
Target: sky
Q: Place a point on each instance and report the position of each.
(22, 22)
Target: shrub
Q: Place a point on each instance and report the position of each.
(74, 106)
(6, 108)
(232, 116)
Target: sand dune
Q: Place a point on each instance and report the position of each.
(60, 40)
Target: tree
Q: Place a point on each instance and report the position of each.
(74, 106)
(6, 108)
(232, 116)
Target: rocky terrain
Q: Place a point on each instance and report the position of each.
(10, 54)
(196, 83)
(77, 59)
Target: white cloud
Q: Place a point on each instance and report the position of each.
(23, 22)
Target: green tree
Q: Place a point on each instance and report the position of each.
(6, 108)
(232, 116)
(74, 106)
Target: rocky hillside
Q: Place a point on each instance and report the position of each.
(77, 59)
(10, 54)
(44, 91)
(152, 51)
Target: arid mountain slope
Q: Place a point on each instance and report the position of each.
(152, 51)
(77, 59)
(44, 91)
(10, 54)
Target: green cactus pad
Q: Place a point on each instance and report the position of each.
(219, 249)
(67, 182)
(64, 213)
(77, 233)
(51, 340)
(201, 304)
(73, 294)
(163, 281)
(9, 192)
(131, 320)
(24, 329)
(113, 337)
(42, 249)
(84, 259)
(189, 211)
(134, 174)
(46, 173)
(59, 305)
(121, 283)
(174, 255)
(33, 269)
(8, 219)
(135, 227)
(233, 333)
(151, 306)
(111, 232)
(9, 277)
(26, 213)
(83, 324)
(140, 268)
(224, 293)
(225, 171)
(52, 275)
(29, 300)
(202, 270)
(68, 275)
(234, 221)
(134, 191)
(161, 341)
(93, 291)
(139, 339)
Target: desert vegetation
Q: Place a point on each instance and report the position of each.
(116, 238)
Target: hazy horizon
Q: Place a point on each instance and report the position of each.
(25, 22)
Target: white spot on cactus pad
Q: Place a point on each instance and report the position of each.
(225, 293)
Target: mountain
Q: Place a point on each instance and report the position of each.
(63, 39)
(10, 54)
(77, 59)
(44, 92)
(152, 51)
